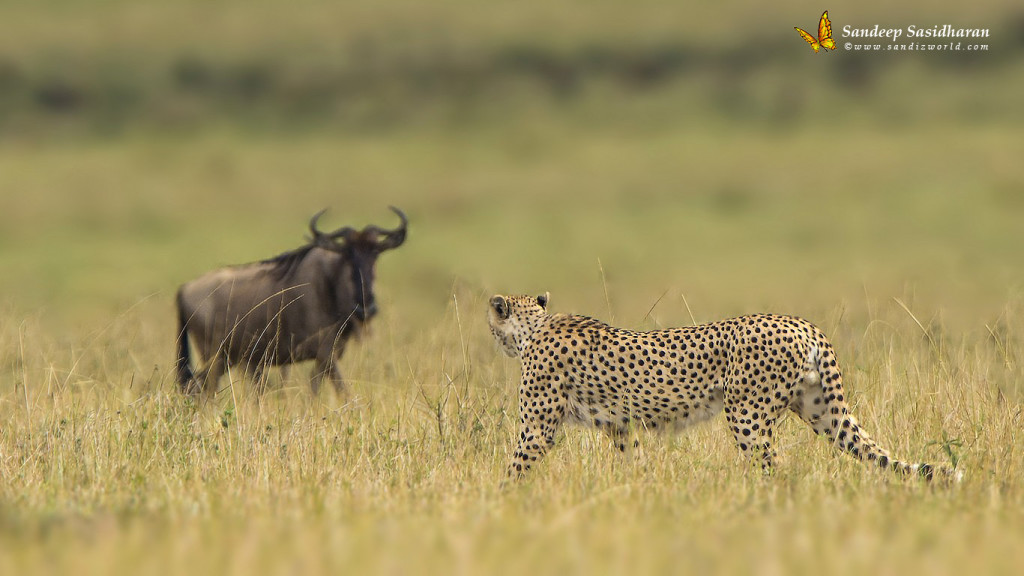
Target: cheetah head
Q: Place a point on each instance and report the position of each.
(514, 318)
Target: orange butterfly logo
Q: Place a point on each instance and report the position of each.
(824, 34)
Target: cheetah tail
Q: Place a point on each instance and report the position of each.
(850, 437)
(821, 404)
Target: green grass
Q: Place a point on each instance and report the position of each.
(887, 212)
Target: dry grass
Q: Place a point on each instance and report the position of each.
(889, 216)
(109, 473)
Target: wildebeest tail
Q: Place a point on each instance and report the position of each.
(183, 363)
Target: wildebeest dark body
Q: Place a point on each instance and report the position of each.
(301, 305)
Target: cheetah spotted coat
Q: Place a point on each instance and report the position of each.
(753, 368)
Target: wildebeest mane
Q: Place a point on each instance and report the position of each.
(284, 265)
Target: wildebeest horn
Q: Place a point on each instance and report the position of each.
(312, 224)
(393, 238)
(319, 236)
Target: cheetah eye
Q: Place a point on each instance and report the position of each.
(500, 307)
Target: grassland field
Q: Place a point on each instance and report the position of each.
(889, 214)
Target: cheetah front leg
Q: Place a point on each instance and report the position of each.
(534, 442)
(540, 413)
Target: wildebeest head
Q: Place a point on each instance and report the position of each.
(359, 249)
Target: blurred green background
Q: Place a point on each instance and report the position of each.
(617, 154)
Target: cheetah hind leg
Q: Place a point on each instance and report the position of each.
(819, 402)
(624, 437)
(752, 434)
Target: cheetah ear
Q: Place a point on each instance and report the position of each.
(500, 306)
(543, 300)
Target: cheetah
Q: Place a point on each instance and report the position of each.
(580, 370)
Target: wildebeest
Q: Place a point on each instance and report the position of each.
(300, 305)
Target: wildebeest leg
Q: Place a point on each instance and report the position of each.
(191, 387)
(259, 379)
(209, 376)
(335, 354)
(317, 377)
(326, 368)
(336, 379)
